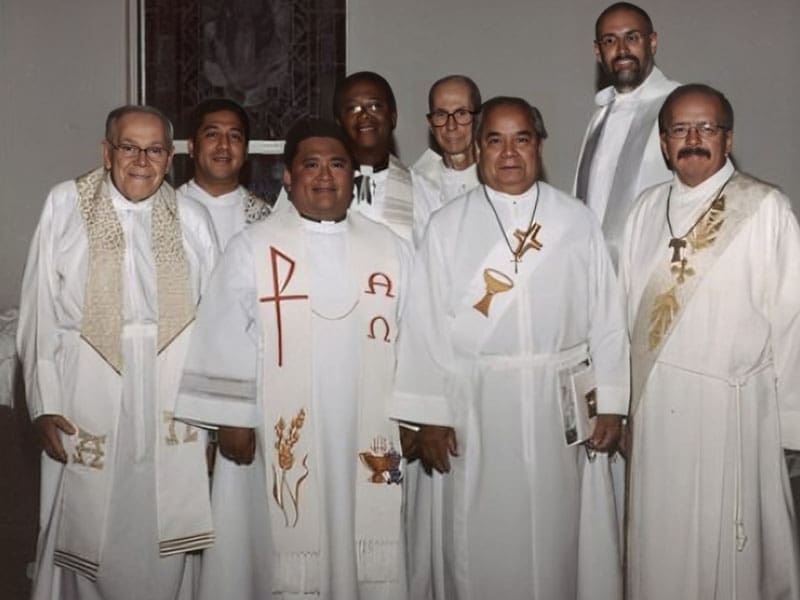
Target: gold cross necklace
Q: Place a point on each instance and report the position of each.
(526, 240)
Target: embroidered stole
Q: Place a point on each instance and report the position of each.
(101, 326)
(291, 459)
(398, 204)
(255, 208)
(95, 361)
(669, 290)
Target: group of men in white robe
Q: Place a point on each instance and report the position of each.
(512, 321)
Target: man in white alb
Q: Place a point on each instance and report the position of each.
(620, 155)
(454, 102)
(220, 132)
(513, 298)
(294, 354)
(365, 107)
(115, 270)
(711, 268)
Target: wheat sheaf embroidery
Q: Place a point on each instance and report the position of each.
(700, 236)
(286, 494)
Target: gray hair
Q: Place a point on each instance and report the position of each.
(520, 103)
(115, 115)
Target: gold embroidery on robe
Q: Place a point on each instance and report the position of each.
(90, 450)
(666, 305)
(383, 460)
(281, 486)
(172, 439)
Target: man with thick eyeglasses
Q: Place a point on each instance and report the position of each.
(448, 170)
(711, 269)
(220, 132)
(114, 273)
(620, 154)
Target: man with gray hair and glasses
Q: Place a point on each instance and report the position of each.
(114, 274)
(711, 269)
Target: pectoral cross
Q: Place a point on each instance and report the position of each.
(526, 240)
(677, 244)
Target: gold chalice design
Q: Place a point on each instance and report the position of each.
(380, 464)
(496, 283)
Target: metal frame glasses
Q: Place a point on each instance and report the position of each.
(706, 131)
(153, 153)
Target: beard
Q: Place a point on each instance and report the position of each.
(627, 78)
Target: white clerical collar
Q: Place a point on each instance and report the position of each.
(122, 203)
(610, 94)
(330, 227)
(686, 193)
(228, 199)
(527, 196)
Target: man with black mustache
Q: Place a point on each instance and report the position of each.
(711, 269)
(620, 155)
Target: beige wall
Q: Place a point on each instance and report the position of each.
(64, 65)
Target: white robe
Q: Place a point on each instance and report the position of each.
(435, 184)
(517, 499)
(732, 356)
(227, 341)
(227, 211)
(51, 312)
(627, 158)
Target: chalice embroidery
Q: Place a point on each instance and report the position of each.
(496, 283)
(383, 461)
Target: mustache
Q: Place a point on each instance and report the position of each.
(695, 150)
(626, 57)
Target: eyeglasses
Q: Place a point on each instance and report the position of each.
(462, 116)
(704, 130)
(153, 153)
(368, 107)
(631, 38)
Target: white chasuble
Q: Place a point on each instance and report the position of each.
(108, 299)
(523, 515)
(716, 341)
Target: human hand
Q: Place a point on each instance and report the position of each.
(237, 444)
(47, 429)
(606, 434)
(436, 445)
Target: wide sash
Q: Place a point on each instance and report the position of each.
(671, 288)
(398, 205)
(288, 437)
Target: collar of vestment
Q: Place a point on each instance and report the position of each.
(673, 281)
(682, 193)
(396, 207)
(101, 325)
(651, 87)
(255, 207)
(230, 198)
(293, 463)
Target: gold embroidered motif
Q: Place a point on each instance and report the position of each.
(526, 240)
(285, 446)
(705, 233)
(665, 306)
(496, 283)
(90, 450)
(383, 460)
(682, 270)
(189, 432)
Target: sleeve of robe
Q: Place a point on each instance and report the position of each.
(424, 347)
(219, 384)
(37, 333)
(785, 317)
(608, 337)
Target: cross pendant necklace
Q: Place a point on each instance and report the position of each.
(679, 243)
(526, 240)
